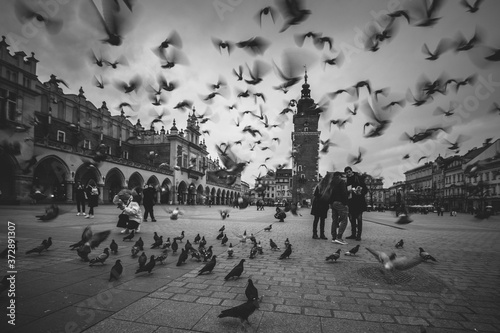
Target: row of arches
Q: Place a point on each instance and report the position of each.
(53, 177)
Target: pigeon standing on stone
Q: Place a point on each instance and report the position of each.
(148, 267)
(242, 311)
(209, 266)
(39, 248)
(268, 228)
(116, 271)
(224, 240)
(400, 244)
(251, 292)
(425, 255)
(287, 252)
(334, 256)
(353, 251)
(100, 258)
(129, 236)
(113, 247)
(142, 259)
(273, 245)
(236, 271)
(182, 257)
(230, 251)
(175, 246)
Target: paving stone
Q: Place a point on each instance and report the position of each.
(284, 323)
(175, 314)
(112, 325)
(347, 315)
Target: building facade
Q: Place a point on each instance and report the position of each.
(51, 140)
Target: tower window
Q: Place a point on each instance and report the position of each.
(306, 129)
(299, 168)
(61, 136)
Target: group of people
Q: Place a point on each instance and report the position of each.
(346, 198)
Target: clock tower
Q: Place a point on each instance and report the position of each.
(305, 149)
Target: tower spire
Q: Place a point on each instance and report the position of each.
(306, 92)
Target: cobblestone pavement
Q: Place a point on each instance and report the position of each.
(56, 292)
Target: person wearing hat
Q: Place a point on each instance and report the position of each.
(357, 190)
(131, 216)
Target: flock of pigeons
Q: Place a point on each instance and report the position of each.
(115, 21)
(198, 251)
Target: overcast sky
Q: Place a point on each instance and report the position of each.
(399, 64)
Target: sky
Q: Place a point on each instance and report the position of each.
(399, 65)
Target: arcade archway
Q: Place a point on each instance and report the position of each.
(7, 179)
(115, 181)
(166, 192)
(50, 176)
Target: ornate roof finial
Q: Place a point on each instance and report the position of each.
(305, 75)
(305, 93)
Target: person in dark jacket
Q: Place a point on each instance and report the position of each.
(149, 200)
(357, 190)
(340, 210)
(321, 205)
(93, 193)
(80, 197)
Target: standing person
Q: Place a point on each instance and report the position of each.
(149, 200)
(321, 205)
(81, 196)
(357, 190)
(93, 193)
(131, 216)
(340, 209)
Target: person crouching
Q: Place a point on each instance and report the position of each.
(131, 216)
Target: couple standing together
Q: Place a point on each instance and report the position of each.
(346, 198)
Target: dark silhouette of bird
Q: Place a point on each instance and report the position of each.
(89, 241)
(236, 271)
(251, 291)
(320, 42)
(158, 242)
(182, 257)
(100, 258)
(224, 240)
(162, 257)
(255, 45)
(352, 251)
(142, 259)
(209, 266)
(268, 228)
(134, 250)
(287, 252)
(400, 244)
(223, 44)
(51, 213)
(334, 256)
(462, 44)
(242, 311)
(239, 73)
(401, 103)
(471, 8)
(147, 267)
(133, 85)
(175, 246)
(48, 243)
(442, 46)
(356, 159)
(116, 271)
(129, 236)
(293, 12)
(360, 84)
(169, 59)
(300, 38)
(268, 10)
(230, 250)
(113, 247)
(179, 238)
(39, 248)
(273, 245)
(140, 244)
(197, 239)
(203, 241)
(425, 255)
(253, 251)
(400, 13)
(425, 12)
(173, 39)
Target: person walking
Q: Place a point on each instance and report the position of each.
(149, 200)
(321, 205)
(340, 210)
(80, 196)
(93, 193)
(357, 190)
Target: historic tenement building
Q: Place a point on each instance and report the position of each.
(305, 150)
(50, 140)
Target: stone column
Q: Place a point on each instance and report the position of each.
(69, 190)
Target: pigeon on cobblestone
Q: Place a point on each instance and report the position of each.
(51, 213)
(253, 252)
(230, 251)
(148, 267)
(197, 239)
(224, 240)
(400, 244)
(48, 244)
(39, 248)
(425, 255)
(180, 238)
(287, 252)
(116, 271)
(142, 259)
(242, 311)
(209, 266)
(140, 244)
(182, 257)
(268, 228)
(222, 228)
(135, 250)
(175, 246)
(273, 245)
(236, 271)
(157, 243)
(162, 257)
(220, 235)
(100, 258)
(203, 242)
(113, 247)
(251, 291)
(287, 242)
(353, 251)
(167, 244)
(334, 256)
